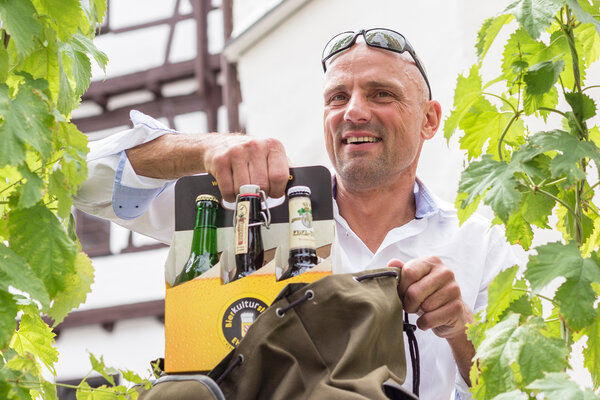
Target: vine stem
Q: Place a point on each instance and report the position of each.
(504, 132)
(536, 189)
(37, 385)
(538, 295)
(590, 87)
(504, 100)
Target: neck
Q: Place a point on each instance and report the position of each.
(372, 213)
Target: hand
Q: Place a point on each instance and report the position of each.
(235, 160)
(427, 287)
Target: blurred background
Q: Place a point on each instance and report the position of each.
(233, 65)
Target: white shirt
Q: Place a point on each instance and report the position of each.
(474, 251)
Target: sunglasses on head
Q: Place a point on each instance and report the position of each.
(381, 38)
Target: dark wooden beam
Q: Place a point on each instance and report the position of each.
(108, 316)
(157, 108)
(142, 79)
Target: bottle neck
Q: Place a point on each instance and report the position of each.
(254, 207)
(205, 230)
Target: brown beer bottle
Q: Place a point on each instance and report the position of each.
(303, 254)
(203, 254)
(249, 250)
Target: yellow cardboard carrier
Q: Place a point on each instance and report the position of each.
(208, 316)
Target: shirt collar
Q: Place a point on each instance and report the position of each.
(424, 202)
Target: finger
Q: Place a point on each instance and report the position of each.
(394, 262)
(225, 183)
(240, 171)
(278, 169)
(421, 279)
(257, 167)
(412, 272)
(446, 321)
(445, 294)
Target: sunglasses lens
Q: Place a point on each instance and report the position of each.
(386, 39)
(338, 43)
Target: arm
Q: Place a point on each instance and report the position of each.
(427, 287)
(131, 173)
(233, 159)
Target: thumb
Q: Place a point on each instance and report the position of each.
(394, 262)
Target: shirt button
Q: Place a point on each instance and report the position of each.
(347, 234)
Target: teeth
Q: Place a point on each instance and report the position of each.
(361, 139)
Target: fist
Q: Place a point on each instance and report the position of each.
(428, 287)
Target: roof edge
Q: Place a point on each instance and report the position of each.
(273, 18)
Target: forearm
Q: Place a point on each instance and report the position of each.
(172, 156)
(463, 352)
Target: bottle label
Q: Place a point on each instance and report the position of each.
(241, 227)
(302, 235)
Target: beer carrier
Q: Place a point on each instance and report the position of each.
(206, 318)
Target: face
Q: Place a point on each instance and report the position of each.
(375, 118)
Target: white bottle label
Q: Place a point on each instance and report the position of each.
(241, 227)
(302, 235)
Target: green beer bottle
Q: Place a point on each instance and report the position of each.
(203, 253)
(303, 253)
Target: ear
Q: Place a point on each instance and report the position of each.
(432, 117)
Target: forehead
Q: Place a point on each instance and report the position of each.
(366, 61)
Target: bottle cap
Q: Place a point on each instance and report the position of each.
(249, 189)
(299, 191)
(207, 197)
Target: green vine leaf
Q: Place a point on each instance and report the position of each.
(100, 367)
(570, 151)
(541, 77)
(534, 15)
(575, 296)
(19, 21)
(590, 41)
(468, 92)
(35, 337)
(25, 123)
(8, 316)
(65, 15)
(584, 107)
(511, 353)
(501, 293)
(38, 237)
(519, 231)
(591, 352)
(488, 32)
(495, 179)
(77, 286)
(31, 190)
(557, 385)
(585, 11)
(484, 125)
(15, 272)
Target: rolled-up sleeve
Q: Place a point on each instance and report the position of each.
(115, 192)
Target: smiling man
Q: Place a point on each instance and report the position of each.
(378, 113)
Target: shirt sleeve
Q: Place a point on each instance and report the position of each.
(115, 192)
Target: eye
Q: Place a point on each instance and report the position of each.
(383, 94)
(338, 98)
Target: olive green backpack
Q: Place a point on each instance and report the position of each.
(340, 337)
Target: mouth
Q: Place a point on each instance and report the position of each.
(360, 140)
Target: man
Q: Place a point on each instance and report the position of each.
(378, 112)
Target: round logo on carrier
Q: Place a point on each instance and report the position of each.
(238, 317)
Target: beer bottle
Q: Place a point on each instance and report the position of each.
(249, 250)
(303, 254)
(203, 253)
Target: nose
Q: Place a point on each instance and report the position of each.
(357, 109)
